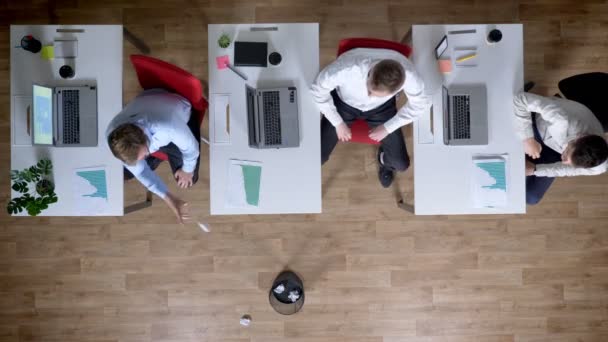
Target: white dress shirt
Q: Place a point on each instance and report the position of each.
(163, 117)
(348, 74)
(560, 121)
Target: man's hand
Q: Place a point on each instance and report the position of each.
(530, 168)
(184, 179)
(343, 132)
(532, 148)
(179, 208)
(378, 133)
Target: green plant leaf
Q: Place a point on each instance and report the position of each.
(33, 204)
(20, 187)
(11, 207)
(35, 173)
(45, 166)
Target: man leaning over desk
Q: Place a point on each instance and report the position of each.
(157, 120)
(561, 138)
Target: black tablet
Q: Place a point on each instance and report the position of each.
(251, 54)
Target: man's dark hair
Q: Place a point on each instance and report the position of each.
(589, 151)
(387, 75)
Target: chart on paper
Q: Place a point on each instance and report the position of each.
(489, 181)
(90, 190)
(244, 181)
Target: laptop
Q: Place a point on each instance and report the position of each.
(64, 116)
(465, 115)
(272, 117)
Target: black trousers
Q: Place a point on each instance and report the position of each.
(395, 152)
(536, 187)
(176, 160)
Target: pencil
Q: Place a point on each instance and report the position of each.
(236, 71)
(466, 58)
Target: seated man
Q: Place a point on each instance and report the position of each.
(157, 120)
(362, 84)
(561, 138)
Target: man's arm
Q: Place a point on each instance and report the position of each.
(153, 183)
(418, 103)
(562, 170)
(548, 109)
(328, 79)
(148, 178)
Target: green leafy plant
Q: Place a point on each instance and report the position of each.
(36, 189)
(224, 41)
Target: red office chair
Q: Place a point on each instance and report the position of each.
(154, 73)
(360, 129)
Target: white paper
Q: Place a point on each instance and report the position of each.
(65, 48)
(221, 118)
(490, 183)
(235, 195)
(90, 191)
(203, 227)
(21, 117)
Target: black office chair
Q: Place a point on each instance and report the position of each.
(590, 89)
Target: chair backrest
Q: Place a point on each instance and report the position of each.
(373, 43)
(590, 90)
(154, 73)
(359, 128)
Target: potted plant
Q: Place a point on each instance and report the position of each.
(224, 41)
(35, 187)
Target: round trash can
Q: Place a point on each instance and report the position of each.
(286, 296)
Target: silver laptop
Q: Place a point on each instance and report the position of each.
(465, 115)
(272, 117)
(64, 116)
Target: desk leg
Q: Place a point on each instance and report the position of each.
(141, 205)
(138, 43)
(407, 38)
(405, 206)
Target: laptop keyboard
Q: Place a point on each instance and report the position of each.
(71, 116)
(461, 117)
(272, 117)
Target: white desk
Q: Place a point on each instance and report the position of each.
(441, 173)
(99, 62)
(291, 177)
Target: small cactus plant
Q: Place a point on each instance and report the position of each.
(224, 41)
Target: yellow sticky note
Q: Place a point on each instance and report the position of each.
(48, 52)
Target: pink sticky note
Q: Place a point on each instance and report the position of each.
(222, 62)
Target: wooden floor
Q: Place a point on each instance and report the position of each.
(372, 273)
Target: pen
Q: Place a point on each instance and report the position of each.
(466, 58)
(241, 75)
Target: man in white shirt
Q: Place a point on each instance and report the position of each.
(157, 120)
(362, 84)
(561, 138)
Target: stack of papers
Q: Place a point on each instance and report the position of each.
(489, 183)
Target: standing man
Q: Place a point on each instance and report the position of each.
(561, 138)
(157, 120)
(362, 84)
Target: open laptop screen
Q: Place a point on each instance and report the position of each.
(43, 115)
